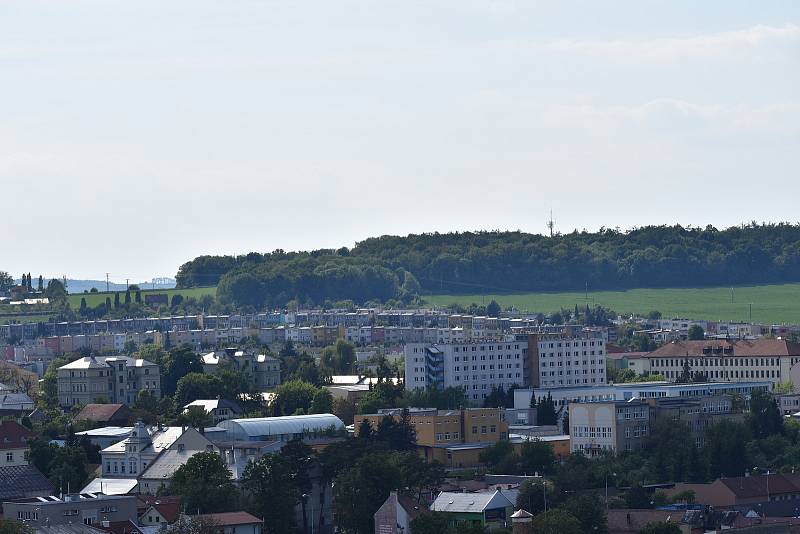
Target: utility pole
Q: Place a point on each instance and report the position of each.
(107, 289)
(127, 283)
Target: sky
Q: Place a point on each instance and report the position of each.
(135, 136)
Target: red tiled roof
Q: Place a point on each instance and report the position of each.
(13, 435)
(99, 412)
(744, 347)
(624, 520)
(226, 519)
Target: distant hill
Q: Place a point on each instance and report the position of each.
(79, 286)
(397, 268)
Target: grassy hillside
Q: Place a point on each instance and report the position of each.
(93, 299)
(771, 303)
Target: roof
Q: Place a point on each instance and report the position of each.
(101, 412)
(161, 439)
(628, 520)
(212, 404)
(165, 465)
(120, 527)
(107, 432)
(67, 529)
(470, 502)
(111, 486)
(90, 362)
(168, 508)
(13, 435)
(22, 480)
(412, 508)
(744, 347)
(756, 486)
(229, 519)
(274, 426)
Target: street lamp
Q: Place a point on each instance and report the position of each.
(613, 475)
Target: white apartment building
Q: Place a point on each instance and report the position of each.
(476, 367)
(568, 361)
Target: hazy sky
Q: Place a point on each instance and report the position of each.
(136, 135)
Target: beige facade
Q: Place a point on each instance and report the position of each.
(265, 370)
(116, 379)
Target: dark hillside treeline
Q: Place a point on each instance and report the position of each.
(377, 268)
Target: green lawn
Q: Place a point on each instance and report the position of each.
(771, 303)
(93, 299)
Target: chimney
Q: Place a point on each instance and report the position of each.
(522, 522)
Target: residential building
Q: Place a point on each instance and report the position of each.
(599, 427)
(88, 509)
(15, 404)
(158, 511)
(218, 409)
(620, 426)
(109, 414)
(265, 370)
(539, 360)
(733, 491)
(134, 454)
(22, 481)
(234, 522)
(452, 437)
(117, 379)
(723, 360)
(396, 513)
(476, 367)
(485, 509)
(106, 436)
(14, 448)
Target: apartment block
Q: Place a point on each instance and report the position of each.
(117, 379)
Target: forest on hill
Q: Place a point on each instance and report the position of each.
(390, 268)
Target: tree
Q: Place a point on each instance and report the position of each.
(128, 299)
(56, 291)
(537, 457)
(83, 306)
(197, 386)
(204, 484)
(765, 416)
(322, 402)
(190, 525)
(360, 490)
(725, 450)
(6, 282)
(176, 300)
(431, 523)
(345, 410)
(138, 297)
(178, 362)
(696, 333)
(116, 301)
(636, 497)
(8, 526)
(493, 309)
(49, 390)
(660, 527)
(532, 495)
(40, 285)
(196, 417)
(546, 411)
(556, 521)
(589, 511)
(274, 492)
(292, 397)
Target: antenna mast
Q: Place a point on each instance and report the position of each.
(551, 224)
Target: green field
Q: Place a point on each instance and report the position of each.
(93, 299)
(771, 303)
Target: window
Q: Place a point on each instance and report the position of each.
(9, 457)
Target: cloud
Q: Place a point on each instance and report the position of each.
(757, 40)
(671, 115)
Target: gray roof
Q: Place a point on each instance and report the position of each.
(107, 432)
(260, 427)
(470, 502)
(213, 404)
(111, 486)
(67, 529)
(22, 480)
(163, 467)
(89, 362)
